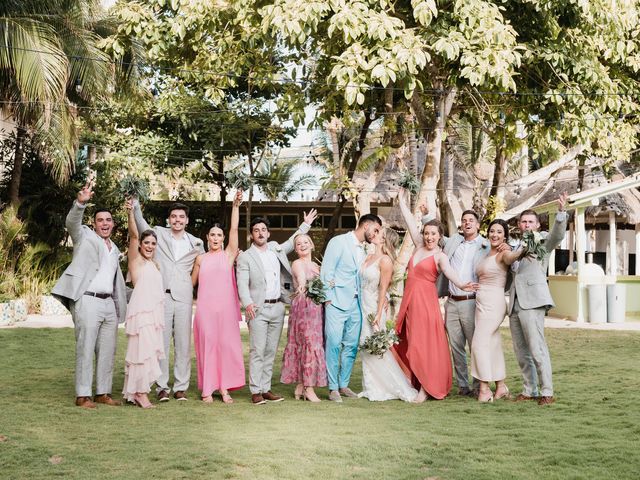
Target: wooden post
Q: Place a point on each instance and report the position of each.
(613, 248)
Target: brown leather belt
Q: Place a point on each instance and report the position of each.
(460, 298)
(98, 295)
(272, 300)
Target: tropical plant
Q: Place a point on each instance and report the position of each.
(26, 270)
(51, 66)
(277, 178)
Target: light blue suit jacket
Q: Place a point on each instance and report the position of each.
(340, 270)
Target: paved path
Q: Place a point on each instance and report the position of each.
(62, 321)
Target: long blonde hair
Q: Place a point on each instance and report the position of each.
(390, 245)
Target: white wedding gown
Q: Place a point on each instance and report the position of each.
(382, 378)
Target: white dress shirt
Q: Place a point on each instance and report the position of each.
(180, 246)
(103, 281)
(360, 251)
(462, 262)
(271, 266)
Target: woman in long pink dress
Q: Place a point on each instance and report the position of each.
(423, 350)
(216, 327)
(144, 322)
(303, 361)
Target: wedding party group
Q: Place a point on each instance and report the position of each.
(166, 264)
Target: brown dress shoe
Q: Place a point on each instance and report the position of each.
(107, 400)
(163, 396)
(522, 398)
(546, 400)
(85, 402)
(180, 395)
(270, 397)
(257, 399)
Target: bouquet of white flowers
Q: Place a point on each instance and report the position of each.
(315, 291)
(532, 243)
(379, 342)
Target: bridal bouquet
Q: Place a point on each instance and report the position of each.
(315, 291)
(238, 179)
(134, 187)
(409, 181)
(379, 342)
(532, 243)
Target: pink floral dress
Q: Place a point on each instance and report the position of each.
(304, 360)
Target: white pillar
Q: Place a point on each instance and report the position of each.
(613, 248)
(571, 245)
(580, 252)
(637, 248)
(552, 255)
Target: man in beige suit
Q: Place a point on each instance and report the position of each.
(176, 252)
(264, 286)
(529, 300)
(93, 289)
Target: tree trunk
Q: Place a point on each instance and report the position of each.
(431, 172)
(499, 173)
(16, 172)
(351, 169)
(445, 186)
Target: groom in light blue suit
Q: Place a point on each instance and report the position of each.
(343, 316)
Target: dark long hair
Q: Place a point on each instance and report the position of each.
(505, 227)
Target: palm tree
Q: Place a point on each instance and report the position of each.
(50, 64)
(277, 179)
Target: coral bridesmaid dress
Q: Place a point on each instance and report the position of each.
(423, 350)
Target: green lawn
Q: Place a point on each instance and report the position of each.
(593, 431)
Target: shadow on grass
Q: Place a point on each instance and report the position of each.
(591, 432)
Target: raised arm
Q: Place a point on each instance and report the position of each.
(73, 221)
(408, 219)
(134, 242)
(559, 228)
(308, 218)
(446, 268)
(232, 245)
(141, 223)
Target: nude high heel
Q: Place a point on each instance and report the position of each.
(506, 395)
(308, 397)
(299, 392)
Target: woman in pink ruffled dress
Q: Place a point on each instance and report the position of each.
(144, 322)
(216, 326)
(304, 362)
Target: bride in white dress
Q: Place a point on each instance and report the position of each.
(382, 378)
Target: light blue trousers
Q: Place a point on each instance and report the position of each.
(342, 334)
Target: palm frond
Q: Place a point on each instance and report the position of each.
(33, 59)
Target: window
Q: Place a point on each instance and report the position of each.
(275, 221)
(290, 221)
(347, 222)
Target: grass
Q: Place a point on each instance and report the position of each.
(593, 430)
